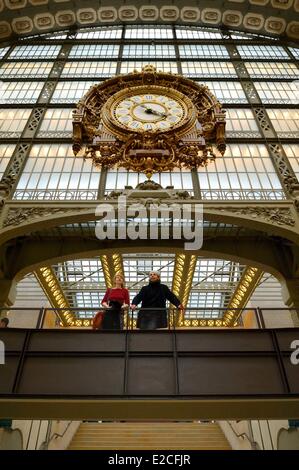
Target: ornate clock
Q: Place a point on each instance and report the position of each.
(149, 108)
(149, 122)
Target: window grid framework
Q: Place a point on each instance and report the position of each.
(56, 123)
(285, 122)
(26, 69)
(278, 92)
(83, 69)
(3, 51)
(208, 69)
(13, 122)
(195, 33)
(282, 70)
(20, 92)
(203, 51)
(110, 32)
(226, 92)
(35, 52)
(52, 172)
(262, 52)
(148, 32)
(137, 269)
(244, 172)
(100, 51)
(70, 91)
(152, 51)
(292, 152)
(6, 151)
(165, 66)
(72, 83)
(119, 178)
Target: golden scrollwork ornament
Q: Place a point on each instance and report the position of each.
(149, 122)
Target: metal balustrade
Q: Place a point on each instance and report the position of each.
(193, 317)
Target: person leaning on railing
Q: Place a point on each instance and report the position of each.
(115, 301)
(153, 314)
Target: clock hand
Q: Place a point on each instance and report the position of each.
(153, 111)
(157, 113)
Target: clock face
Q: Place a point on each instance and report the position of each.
(149, 112)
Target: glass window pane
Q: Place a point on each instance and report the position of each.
(191, 51)
(111, 32)
(292, 152)
(285, 122)
(13, 121)
(89, 69)
(208, 69)
(20, 92)
(148, 32)
(272, 69)
(56, 123)
(278, 92)
(45, 184)
(25, 69)
(101, 51)
(262, 52)
(148, 50)
(6, 151)
(35, 52)
(128, 67)
(248, 185)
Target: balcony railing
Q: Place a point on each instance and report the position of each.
(191, 318)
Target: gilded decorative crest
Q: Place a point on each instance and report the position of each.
(149, 122)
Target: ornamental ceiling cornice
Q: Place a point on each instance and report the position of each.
(21, 18)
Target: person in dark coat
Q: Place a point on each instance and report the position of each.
(154, 296)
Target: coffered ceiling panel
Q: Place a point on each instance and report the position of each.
(29, 17)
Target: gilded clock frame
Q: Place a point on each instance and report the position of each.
(192, 143)
(116, 127)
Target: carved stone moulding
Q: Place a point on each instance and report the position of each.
(65, 18)
(232, 18)
(211, 16)
(275, 215)
(274, 25)
(86, 16)
(169, 13)
(296, 5)
(22, 25)
(282, 4)
(190, 14)
(44, 21)
(293, 29)
(259, 2)
(253, 21)
(128, 13)
(17, 216)
(15, 4)
(38, 2)
(1, 5)
(149, 13)
(5, 29)
(107, 14)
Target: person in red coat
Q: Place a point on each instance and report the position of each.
(116, 299)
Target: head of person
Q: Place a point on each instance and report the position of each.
(4, 322)
(154, 276)
(118, 280)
